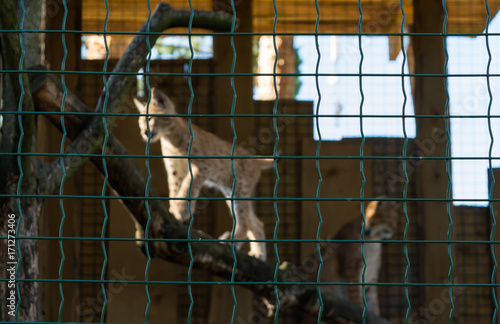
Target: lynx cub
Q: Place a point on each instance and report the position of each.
(343, 262)
(174, 134)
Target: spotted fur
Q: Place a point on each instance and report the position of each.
(174, 134)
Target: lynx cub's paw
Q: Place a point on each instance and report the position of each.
(258, 254)
(227, 236)
(257, 250)
(176, 210)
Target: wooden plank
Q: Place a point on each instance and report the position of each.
(337, 16)
(300, 16)
(48, 139)
(128, 15)
(375, 17)
(341, 179)
(394, 46)
(471, 224)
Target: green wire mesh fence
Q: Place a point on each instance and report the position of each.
(324, 108)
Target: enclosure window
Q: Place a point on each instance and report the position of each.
(166, 48)
(340, 87)
(177, 47)
(469, 97)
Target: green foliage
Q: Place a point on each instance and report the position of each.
(297, 83)
(255, 54)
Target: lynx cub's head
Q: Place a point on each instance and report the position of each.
(160, 104)
(381, 219)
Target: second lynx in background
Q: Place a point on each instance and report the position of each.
(343, 261)
(185, 179)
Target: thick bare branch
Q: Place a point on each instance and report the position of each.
(16, 83)
(128, 180)
(18, 136)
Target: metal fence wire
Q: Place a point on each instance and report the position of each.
(353, 102)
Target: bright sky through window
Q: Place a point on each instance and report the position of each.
(384, 95)
(341, 95)
(469, 97)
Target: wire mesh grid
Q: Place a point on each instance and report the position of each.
(91, 216)
(473, 224)
(393, 254)
(409, 290)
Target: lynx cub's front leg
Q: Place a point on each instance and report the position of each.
(188, 189)
(177, 170)
(247, 226)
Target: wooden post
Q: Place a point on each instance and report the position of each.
(54, 49)
(496, 233)
(223, 58)
(243, 86)
(49, 140)
(429, 98)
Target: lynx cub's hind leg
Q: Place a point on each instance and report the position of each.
(247, 226)
(256, 232)
(236, 208)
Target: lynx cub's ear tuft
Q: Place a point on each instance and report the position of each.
(373, 206)
(140, 107)
(162, 100)
(158, 97)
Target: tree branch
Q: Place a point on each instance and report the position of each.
(128, 180)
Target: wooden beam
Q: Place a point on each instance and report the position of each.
(243, 127)
(495, 210)
(49, 140)
(429, 97)
(336, 15)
